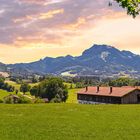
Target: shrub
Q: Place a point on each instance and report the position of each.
(24, 100)
(56, 100)
(1, 101)
(8, 100)
(13, 99)
(6, 86)
(38, 100)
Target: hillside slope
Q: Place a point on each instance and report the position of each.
(3, 67)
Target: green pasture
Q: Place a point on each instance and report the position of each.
(69, 122)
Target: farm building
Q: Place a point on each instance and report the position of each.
(109, 95)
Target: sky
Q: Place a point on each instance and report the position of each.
(34, 29)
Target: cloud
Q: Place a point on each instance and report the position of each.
(41, 2)
(80, 21)
(2, 11)
(32, 1)
(48, 2)
(50, 14)
(26, 22)
(41, 16)
(60, 23)
(28, 17)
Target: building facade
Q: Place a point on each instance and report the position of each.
(109, 95)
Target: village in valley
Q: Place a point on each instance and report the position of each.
(77, 89)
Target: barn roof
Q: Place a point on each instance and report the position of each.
(105, 91)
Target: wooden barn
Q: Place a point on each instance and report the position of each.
(109, 95)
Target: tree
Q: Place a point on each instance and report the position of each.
(25, 87)
(79, 85)
(6, 86)
(34, 79)
(132, 6)
(1, 82)
(35, 91)
(16, 91)
(137, 83)
(51, 88)
(122, 82)
(71, 86)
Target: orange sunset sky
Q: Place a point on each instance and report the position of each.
(33, 29)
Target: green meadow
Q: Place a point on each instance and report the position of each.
(69, 122)
(72, 98)
(17, 86)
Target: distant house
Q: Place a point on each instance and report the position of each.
(109, 95)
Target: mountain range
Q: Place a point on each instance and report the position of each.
(102, 60)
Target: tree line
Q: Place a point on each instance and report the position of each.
(6, 86)
(81, 82)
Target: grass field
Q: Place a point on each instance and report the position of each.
(72, 97)
(69, 122)
(17, 86)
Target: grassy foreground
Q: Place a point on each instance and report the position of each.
(69, 122)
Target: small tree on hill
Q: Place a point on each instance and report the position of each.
(25, 87)
(35, 91)
(16, 91)
(1, 82)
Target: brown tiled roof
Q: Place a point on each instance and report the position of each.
(105, 91)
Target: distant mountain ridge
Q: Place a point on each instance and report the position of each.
(3, 67)
(97, 60)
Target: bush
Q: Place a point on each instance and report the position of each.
(1, 101)
(56, 100)
(6, 86)
(38, 100)
(8, 100)
(24, 100)
(13, 99)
